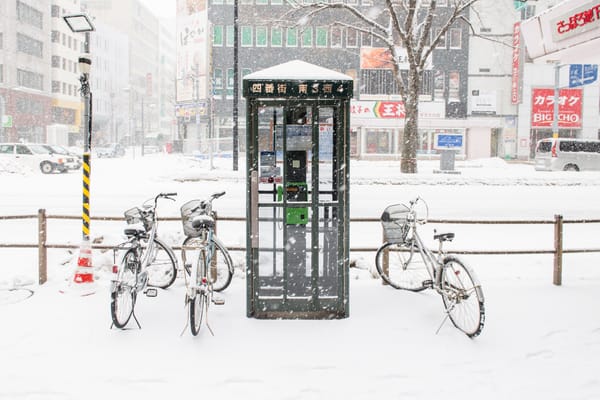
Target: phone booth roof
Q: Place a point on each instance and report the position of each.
(297, 79)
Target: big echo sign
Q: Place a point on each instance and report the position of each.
(569, 108)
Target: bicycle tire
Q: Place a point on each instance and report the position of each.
(221, 269)
(123, 295)
(198, 302)
(462, 296)
(162, 269)
(403, 272)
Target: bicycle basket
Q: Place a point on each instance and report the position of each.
(188, 211)
(135, 216)
(395, 223)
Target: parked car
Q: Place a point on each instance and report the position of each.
(563, 154)
(110, 150)
(73, 161)
(35, 156)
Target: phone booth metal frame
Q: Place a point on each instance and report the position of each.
(297, 189)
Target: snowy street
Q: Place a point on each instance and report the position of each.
(540, 341)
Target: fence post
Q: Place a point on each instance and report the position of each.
(558, 249)
(385, 258)
(42, 255)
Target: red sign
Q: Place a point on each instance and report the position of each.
(516, 54)
(569, 108)
(378, 109)
(589, 15)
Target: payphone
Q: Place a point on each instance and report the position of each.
(297, 162)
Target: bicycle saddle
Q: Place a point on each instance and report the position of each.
(203, 221)
(443, 237)
(134, 232)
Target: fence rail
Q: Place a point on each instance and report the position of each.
(558, 222)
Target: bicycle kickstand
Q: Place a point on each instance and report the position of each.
(207, 325)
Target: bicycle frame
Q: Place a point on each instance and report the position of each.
(433, 262)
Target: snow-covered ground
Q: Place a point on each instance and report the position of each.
(540, 341)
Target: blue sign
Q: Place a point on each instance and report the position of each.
(582, 74)
(449, 141)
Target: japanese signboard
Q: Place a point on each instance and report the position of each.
(582, 74)
(569, 108)
(576, 21)
(448, 141)
(394, 109)
(192, 50)
(516, 55)
(300, 89)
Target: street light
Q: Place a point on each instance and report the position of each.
(80, 23)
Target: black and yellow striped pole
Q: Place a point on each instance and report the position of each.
(84, 274)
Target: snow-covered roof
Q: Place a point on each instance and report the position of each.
(297, 70)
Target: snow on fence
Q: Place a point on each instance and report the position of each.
(558, 222)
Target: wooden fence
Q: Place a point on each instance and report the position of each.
(558, 222)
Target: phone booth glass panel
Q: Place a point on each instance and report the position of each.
(297, 193)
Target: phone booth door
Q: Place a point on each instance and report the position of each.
(296, 195)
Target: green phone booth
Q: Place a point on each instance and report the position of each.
(297, 141)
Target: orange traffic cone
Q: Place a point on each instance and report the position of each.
(83, 280)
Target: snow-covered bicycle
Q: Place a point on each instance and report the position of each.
(399, 266)
(147, 262)
(207, 263)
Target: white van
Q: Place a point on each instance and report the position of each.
(562, 154)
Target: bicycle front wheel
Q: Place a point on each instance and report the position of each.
(123, 294)
(403, 270)
(162, 267)
(220, 271)
(199, 302)
(462, 296)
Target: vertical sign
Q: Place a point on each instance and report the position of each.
(516, 54)
(192, 50)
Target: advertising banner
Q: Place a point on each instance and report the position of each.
(192, 50)
(569, 108)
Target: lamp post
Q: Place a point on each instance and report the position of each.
(235, 83)
(80, 23)
(556, 99)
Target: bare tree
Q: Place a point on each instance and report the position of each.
(398, 23)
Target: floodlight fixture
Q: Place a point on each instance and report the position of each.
(79, 23)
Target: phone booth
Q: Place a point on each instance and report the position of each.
(297, 141)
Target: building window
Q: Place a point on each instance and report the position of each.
(30, 79)
(276, 37)
(1, 73)
(55, 62)
(292, 37)
(217, 2)
(29, 15)
(321, 36)
(442, 43)
(453, 86)
(229, 82)
(262, 2)
(276, 2)
(307, 37)
(442, 3)
(55, 11)
(218, 82)
(1, 40)
(261, 36)
(218, 35)
(229, 36)
(383, 82)
(64, 88)
(246, 36)
(55, 87)
(30, 46)
(455, 38)
(55, 36)
(351, 37)
(336, 36)
(366, 40)
(438, 85)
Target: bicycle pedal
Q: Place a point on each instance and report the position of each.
(218, 302)
(151, 292)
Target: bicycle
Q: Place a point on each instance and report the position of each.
(147, 263)
(446, 274)
(206, 261)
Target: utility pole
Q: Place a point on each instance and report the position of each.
(556, 99)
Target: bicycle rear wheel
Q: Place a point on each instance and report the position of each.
(404, 271)
(123, 294)
(220, 270)
(199, 302)
(462, 296)
(162, 268)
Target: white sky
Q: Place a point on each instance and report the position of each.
(162, 8)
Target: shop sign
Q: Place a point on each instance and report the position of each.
(516, 54)
(569, 108)
(576, 21)
(484, 104)
(448, 141)
(393, 109)
(582, 74)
